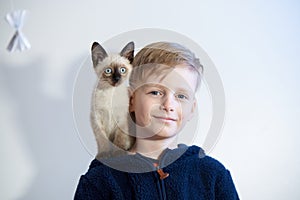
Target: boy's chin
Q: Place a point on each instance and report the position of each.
(158, 134)
(157, 131)
(162, 136)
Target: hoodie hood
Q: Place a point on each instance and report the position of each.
(138, 163)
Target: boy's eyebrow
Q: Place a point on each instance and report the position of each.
(154, 85)
(185, 90)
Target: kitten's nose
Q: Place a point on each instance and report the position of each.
(116, 78)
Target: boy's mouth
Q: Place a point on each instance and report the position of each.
(165, 118)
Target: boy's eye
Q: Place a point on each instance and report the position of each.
(182, 96)
(108, 71)
(156, 93)
(122, 70)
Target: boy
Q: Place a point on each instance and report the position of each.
(162, 84)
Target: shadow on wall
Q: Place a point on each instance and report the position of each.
(47, 129)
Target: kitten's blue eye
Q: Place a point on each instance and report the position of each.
(122, 70)
(108, 71)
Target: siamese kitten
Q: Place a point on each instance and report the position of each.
(110, 100)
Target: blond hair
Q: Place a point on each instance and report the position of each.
(160, 58)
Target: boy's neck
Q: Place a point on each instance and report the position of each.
(153, 148)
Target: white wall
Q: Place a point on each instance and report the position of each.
(254, 45)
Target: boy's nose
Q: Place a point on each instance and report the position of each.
(169, 103)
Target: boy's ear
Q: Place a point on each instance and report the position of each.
(194, 107)
(131, 99)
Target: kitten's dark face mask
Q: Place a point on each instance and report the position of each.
(115, 75)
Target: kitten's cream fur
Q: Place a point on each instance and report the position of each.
(110, 101)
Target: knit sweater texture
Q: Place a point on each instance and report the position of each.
(192, 175)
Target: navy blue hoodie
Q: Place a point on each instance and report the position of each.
(182, 173)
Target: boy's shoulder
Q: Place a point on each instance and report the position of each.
(97, 170)
(197, 157)
(202, 168)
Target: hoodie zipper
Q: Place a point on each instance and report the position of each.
(160, 175)
(161, 184)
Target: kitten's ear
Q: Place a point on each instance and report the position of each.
(98, 53)
(128, 51)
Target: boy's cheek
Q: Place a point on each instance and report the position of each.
(188, 112)
(190, 115)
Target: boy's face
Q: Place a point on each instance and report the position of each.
(162, 107)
